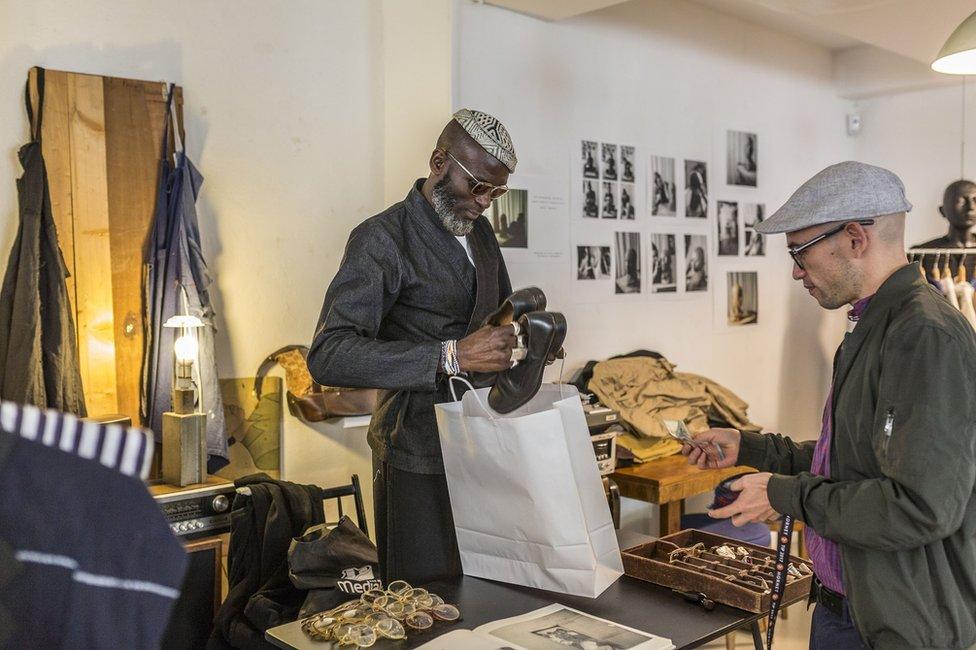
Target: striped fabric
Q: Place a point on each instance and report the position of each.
(126, 449)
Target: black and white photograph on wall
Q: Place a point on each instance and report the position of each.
(664, 199)
(696, 189)
(627, 262)
(696, 263)
(664, 262)
(591, 209)
(627, 164)
(590, 159)
(509, 218)
(608, 200)
(608, 162)
(741, 157)
(752, 215)
(627, 210)
(743, 295)
(592, 262)
(728, 228)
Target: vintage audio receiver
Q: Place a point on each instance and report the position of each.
(198, 510)
(599, 417)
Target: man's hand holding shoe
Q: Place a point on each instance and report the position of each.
(488, 349)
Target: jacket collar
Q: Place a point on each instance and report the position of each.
(889, 297)
(445, 245)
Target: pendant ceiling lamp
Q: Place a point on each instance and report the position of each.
(958, 55)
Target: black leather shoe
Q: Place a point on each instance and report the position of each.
(520, 302)
(544, 332)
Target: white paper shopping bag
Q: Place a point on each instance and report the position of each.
(527, 497)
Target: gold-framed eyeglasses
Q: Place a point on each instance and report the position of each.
(796, 252)
(480, 188)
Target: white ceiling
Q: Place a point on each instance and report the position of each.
(553, 9)
(912, 28)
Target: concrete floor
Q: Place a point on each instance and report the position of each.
(792, 633)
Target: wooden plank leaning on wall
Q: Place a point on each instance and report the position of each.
(101, 141)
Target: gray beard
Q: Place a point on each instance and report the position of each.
(444, 207)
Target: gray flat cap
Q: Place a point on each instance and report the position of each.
(846, 191)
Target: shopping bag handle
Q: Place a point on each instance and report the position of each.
(450, 382)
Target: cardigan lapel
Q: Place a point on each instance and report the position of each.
(442, 243)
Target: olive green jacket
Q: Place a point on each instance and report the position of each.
(900, 501)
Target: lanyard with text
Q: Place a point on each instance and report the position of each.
(779, 578)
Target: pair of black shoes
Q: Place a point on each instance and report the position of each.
(543, 333)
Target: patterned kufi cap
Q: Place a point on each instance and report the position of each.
(491, 134)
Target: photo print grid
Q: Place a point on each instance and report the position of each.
(627, 262)
(664, 263)
(752, 215)
(593, 263)
(663, 189)
(741, 159)
(609, 174)
(743, 298)
(696, 189)
(727, 223)
(509, 216)
(696, 263)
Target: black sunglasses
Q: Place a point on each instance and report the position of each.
(796, 252)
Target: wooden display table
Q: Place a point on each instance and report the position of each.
(667, 482)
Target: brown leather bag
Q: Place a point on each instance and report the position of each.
(308, 400)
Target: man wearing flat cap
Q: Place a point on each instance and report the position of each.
(887, 491)
(402, 314)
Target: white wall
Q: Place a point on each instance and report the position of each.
(919, 134)
(284, 116)
(669, 78)
(289, 118)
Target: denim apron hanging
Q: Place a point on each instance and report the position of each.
(176, 283)
(38, 349)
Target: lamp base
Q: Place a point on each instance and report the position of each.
(184, 448)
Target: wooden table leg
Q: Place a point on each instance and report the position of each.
(670, 518)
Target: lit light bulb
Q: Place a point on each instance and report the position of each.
(186, 348)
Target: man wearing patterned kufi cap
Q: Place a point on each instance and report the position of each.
(403, 312)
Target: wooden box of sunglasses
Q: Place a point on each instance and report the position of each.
(726, 570)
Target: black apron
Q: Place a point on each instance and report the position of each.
(38, 348)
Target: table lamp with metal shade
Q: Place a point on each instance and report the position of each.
(185, 427)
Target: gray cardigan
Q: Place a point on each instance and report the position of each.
(405, 285)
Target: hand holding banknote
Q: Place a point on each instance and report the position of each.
(712, 449)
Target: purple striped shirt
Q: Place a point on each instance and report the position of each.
(824, 552)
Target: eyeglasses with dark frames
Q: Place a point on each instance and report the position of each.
(796, 252)
(480, 188)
